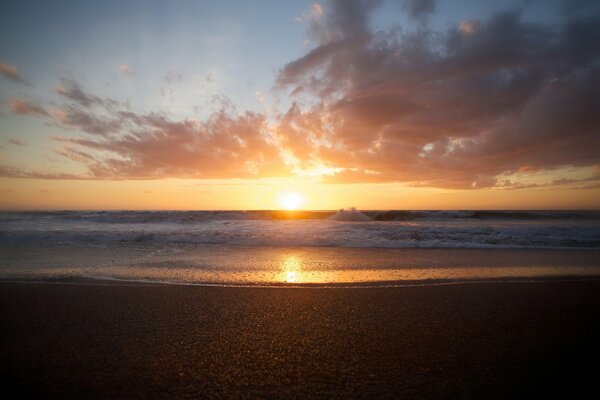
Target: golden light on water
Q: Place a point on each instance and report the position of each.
(291, 277)
(292, 269)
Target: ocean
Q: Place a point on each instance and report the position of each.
(345, 247)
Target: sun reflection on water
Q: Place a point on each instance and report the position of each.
(292, 269)
(291, 277)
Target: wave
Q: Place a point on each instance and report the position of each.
(141, 217)
(403, 215)
(345, 229)
(352, 214)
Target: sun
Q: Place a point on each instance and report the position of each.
(290, 200)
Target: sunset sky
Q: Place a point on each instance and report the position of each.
(406, 104)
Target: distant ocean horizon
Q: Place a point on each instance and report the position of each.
(269, 247)
(342, 228)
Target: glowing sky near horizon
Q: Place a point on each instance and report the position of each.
(373, 104)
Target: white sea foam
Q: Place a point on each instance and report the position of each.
(346, 228)
(351, 214)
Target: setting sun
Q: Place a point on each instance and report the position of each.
(300, 198)
(290, 200)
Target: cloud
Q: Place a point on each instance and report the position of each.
(22, 107)
(75, 117)
(468, 27)
(419, 9)
(115, 143)
(484, 103)
(12, 172)
(126, 69)
(126, 145)
(17, 142)
(172, 77)
(70, 89)
(347, 18)
(446, 109)
(11, 71)
(315, 11)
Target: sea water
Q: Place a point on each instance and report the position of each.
(345, 247)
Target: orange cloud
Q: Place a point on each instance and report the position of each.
(136, 146)
(125, 69)
(456, 109)
(11, 71)
(22, 107)
(453, 111)
(468, 27)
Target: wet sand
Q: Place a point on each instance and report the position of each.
(483, 340)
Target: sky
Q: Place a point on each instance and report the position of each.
(398, 104)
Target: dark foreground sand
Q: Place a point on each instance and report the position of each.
(486, 340)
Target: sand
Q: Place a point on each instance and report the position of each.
(484, 340)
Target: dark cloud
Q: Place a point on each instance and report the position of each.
(11, 72)
(17, 142)
(12, 172)
(349, 18)
(581, 7)
(71, 89)
(452, 109)
(419, 9)
(75, 117)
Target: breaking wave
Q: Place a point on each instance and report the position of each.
(385, 215)
(344, 228)
(351, 214)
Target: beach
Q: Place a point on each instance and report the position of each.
(461, 340)
(363, 199)
(229, 304)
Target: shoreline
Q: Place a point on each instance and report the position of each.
(283, 285)
(481, 340)
(287, 266)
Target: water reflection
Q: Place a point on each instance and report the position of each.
(292, 269)
(290, 266)
(291, 277)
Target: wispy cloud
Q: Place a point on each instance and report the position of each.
(419, 9)
(126, 70)
(121, 144)
(173, 77)
(12, 72)
(23, 107)
(17, 142)
(71, 89)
